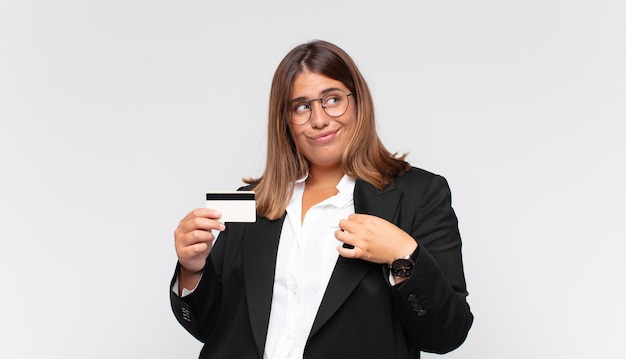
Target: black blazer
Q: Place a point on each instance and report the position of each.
(361, 315)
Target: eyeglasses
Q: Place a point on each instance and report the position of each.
(335, 103)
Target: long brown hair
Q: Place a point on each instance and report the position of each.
(365, 156)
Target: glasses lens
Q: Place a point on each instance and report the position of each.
(335, 103)
(300, 113)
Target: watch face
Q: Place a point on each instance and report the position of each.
(401, 268)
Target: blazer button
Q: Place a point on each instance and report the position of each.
(416, 304)
(186, 315)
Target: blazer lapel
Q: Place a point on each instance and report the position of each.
(370, 200)
(349, 272)
(259, 264)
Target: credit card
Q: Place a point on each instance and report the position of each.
(236, 206)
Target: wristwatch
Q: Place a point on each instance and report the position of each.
(402, 267)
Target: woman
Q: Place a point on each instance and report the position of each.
(354, 254)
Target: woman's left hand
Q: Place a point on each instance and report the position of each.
(374, 239)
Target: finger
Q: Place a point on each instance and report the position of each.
(348, 225)
(346, 252)
(202, 223)
(192, 251)
(206, 212)
(203, 213)
(356, 252)
(346, 237)
(360, 217)
(198, 236)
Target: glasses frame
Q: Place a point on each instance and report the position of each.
(309, 102)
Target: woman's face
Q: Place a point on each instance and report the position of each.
(323, 139)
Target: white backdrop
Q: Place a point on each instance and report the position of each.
(116, 117)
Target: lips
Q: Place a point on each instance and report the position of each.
(323, 137)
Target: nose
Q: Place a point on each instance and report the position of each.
(319, 118)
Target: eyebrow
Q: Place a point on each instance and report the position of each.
(322, 94)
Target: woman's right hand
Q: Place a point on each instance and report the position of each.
(193, 239)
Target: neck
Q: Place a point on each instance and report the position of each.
(325, 177)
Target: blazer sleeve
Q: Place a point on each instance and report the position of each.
(197, 312)
(432, 304)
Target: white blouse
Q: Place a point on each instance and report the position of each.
(307, 253)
